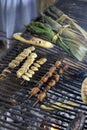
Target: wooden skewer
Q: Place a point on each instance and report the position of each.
(45, 78)
(14, 63)
(51, 84)
(34, 68)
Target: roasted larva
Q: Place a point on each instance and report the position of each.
(25, 77)
(24, 68)
(41, 61)
(21, 57)
(31, 71)
(34, 68)
(14, 63)
(28, 75)
(6, 70)
(37, 65)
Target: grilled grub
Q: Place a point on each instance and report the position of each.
(31, 71)
(24, 68)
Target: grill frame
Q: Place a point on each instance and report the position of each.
(16, 116)
(19, 93)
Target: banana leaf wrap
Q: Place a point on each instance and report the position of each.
(46, 31)
(62, 18)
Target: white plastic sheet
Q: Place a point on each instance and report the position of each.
(14, 14)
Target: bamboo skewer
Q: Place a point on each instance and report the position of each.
(51, 84)
(45, 78)
(31, 71)
(14, 63)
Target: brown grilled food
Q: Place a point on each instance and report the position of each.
(45, 78)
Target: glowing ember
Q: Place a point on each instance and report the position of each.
(52, 128)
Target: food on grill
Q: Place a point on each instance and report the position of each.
(57, 77)
(41, 61)
(34, 68)
(34, 91)
(51, 84)
(34, 40)
(44, 79)
(6, 70)
(16, 62)
(60, 106)
(26, 65)
(12, 65)
(58, 63)
(21, 57)
(41, 96)
(25, 77)
(52, 69)
(37, 65)
(2, 76)
(77, 123)
(65, 37)
(31, 71)
(28, 74)
(84, 91)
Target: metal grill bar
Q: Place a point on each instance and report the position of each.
(65, 90)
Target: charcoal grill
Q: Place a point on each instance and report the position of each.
(16, 109)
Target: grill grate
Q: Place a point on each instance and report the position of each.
(16, 111)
